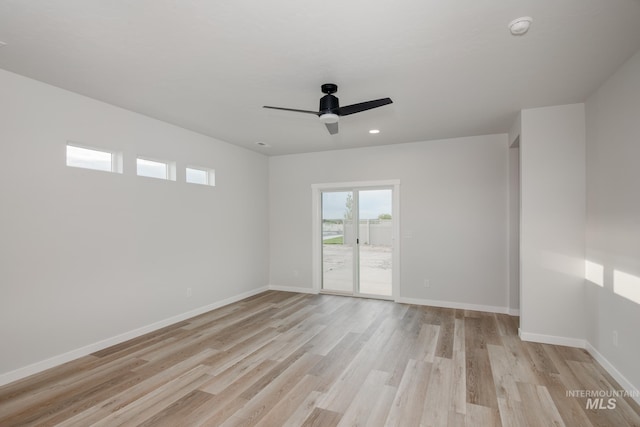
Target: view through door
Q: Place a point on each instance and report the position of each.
(337, 242)
(375, 234)
(357, 242)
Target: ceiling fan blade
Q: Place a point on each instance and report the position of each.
(363, 106)
(332, 128)
(292, 109)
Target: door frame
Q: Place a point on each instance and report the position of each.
(316, 229)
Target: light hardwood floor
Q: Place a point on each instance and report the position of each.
(284, 359)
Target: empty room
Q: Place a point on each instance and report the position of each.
(288, 213)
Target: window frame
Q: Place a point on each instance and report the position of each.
(170, 168)
(116, 157)
(210, 175)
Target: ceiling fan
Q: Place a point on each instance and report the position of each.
(330, 109)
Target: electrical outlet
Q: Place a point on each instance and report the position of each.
(188, 292)
(296, 273)
(427, 284)
(614, 337)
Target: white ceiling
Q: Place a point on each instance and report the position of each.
(451, 67)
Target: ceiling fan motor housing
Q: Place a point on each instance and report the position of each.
(328, 103)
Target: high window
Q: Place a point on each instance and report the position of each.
(155, 168)
(200, 175)
(93, 158)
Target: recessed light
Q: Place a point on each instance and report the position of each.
(374, 131)
(520, 25)
(262, 144)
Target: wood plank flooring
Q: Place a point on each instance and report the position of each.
(285, 359)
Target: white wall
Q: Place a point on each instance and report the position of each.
(87, 255)
(552, 176)
(454, 207)
(613, 214)
(514, 214)
(514, 226)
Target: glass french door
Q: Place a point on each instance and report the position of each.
(338, 242)
(357, 241)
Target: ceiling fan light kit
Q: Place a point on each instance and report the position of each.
(329, 118)
(330, 111)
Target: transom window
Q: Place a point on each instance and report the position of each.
(155, 168)
(93, 158)
(200, 175)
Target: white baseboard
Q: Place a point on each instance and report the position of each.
(513, 311)
(552, 339)
(621, 379)
(580, 343)
(416, 301)
(458, 305)
(34, 368)
(292, 289)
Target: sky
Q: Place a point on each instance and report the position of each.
(372, 204)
